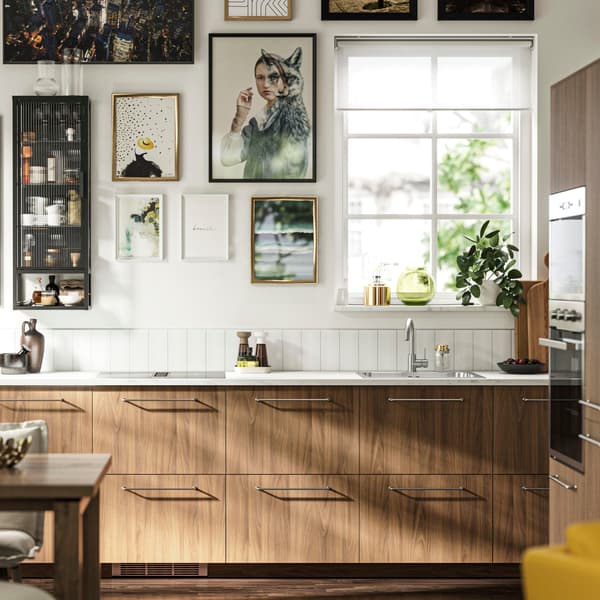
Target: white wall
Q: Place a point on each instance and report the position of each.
(173, 294)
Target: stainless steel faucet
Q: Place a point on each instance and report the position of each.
(414, 363)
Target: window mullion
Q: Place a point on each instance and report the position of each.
(434, 175)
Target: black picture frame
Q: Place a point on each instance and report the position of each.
(27, 38)
(376, 15)
(524, 12)
(240, 52)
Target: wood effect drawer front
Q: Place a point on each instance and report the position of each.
(67, 413)
(426, 430)
(299, 521)
(161, 431)
(521, 430)
(426, 519)
(591, 457)
(566, 505)
(520, 515)
(292, 430)
(163, 518)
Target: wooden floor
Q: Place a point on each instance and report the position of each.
(371, 589)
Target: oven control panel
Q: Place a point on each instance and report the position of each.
(568, 315)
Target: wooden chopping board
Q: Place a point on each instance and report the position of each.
(521, 322)
(537, 320)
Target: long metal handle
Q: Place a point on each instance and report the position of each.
(586, 437)
(524, 488)
(14, 400)
(565, 344)
(293, 489)
(131, 400)
(562, 484)
(590, 404)
(411, 489)
(193, 488)
(425, 399)
(534, 400)
(293, 399)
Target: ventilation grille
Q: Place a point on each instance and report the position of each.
(159, 570)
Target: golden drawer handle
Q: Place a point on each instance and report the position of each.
(425, 399)
(265, 400)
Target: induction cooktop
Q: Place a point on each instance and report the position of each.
(165, 375)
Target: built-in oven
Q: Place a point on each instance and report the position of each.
(566, 357)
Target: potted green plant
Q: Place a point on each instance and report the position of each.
(489, 263)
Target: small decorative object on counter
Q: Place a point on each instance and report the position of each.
(36, 296)
(243, 347)
(415, 287)
(247, 360)
(377, 293)
(442, 357)
(14, 364)
(261, 349)
(33, 340)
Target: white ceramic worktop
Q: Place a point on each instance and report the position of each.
(276, 378)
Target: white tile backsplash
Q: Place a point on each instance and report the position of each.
(287, 349)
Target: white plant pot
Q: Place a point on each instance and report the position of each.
(489, 293)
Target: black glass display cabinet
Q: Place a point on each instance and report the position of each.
(51, 202)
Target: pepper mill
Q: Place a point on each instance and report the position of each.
(33, 340)
(261, 349)
(244, 347)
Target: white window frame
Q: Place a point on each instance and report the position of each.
(523, 185)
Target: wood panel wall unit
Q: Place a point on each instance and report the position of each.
(292, 519)
(163, 519)
(426, 429)
(591, 457)
(568, 133)
(521, 430)
(161, 430)
(520, 515)
(426, 518)
(297, 430)
(567, 500)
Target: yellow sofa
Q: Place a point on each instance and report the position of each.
(569, 572)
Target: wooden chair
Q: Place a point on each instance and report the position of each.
(21, 533)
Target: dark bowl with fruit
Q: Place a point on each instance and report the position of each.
(522, 366)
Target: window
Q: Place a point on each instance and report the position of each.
(436, 140)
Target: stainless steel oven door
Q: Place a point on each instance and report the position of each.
(566, 390)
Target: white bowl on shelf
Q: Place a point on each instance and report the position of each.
(70, 299)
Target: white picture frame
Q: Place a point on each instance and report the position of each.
(139, 227)
(205, 227)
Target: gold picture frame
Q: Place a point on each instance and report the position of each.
(249, 6)
(145, 137)
(284, 239)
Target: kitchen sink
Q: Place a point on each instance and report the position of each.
(420, 375)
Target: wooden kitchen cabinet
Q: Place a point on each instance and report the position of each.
(567, 500)
(298, 430)
(164, 519)
(520, 515)
(521, 421)
(292, 519)
(568, 133)
(425, 518)
(591, 462)
(67, 413)
(161, 430)
(426, 429)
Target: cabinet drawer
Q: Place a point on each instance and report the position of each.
(521, 430)
(291, 518)
(67, 413)
(591, 461)
(292, 430)
(425, 518)
(567, 500)
(161, 430)
(520, 515)
(422, 429)
(161, 518)
(591, 410)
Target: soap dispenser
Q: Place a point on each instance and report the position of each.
(261, 349)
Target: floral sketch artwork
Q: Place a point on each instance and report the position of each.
(139, 228)
(145, 137)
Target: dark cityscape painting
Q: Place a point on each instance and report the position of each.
(485, 9)
(106, 31)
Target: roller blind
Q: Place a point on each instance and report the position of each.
(382, 73)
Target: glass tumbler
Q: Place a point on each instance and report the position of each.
(45, 84)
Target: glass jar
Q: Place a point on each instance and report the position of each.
(52, 257)
(415, 286)
(442, 357)
(45, 84)
(73, 208)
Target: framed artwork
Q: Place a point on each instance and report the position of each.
(258, 10)
(148, 32)
(262, 103)
(487, 10)
(205, 227)
(369, 10)
(284, 239)
(139, 227)
(145, 133)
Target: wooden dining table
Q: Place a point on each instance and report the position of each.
(68, 485)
